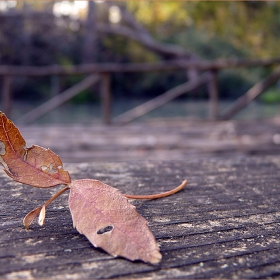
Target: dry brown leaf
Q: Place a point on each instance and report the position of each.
(110, 222)
(29, 218)
(35, 166)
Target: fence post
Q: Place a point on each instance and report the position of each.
(213, 96)
(106, 98)
(7, 95)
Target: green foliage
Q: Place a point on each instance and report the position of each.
(271, 95)
(204, 45)
(246, 25)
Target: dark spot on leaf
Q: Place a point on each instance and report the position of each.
(105, 229)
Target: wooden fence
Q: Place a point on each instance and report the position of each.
(103, 72)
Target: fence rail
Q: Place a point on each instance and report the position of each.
(103, 72)
(219, 64)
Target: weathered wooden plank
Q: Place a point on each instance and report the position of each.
(158, 140)
(225, 224)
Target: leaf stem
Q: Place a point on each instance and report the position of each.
(29, 218)
(56, 195)
(159, 195)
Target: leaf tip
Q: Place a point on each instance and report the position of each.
(155, 258)
(28, 219)
(26, 225)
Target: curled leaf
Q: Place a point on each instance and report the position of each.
(35, 166)
(110, 222)
(29, 218)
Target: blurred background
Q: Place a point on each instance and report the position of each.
(69, 33)
(90, 63)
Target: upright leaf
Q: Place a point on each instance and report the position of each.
(109, 221)
(34, 166)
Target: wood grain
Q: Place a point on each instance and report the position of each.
(225, 224)
(163, 139)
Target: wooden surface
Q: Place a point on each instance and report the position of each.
(225, 224)
(178, 139)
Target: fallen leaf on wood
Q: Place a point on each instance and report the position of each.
(35, 166)
(115, 225)
(99, 211)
